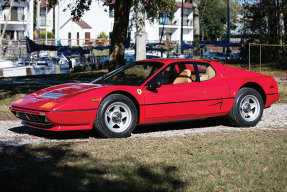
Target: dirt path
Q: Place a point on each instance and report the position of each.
(12, 133)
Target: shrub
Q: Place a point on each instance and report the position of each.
(50, 35)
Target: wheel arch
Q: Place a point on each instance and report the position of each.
(257, 87)
(130, 96)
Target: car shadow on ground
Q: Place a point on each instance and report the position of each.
(140, 129)
(181, 125)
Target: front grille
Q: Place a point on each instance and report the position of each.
(30, 117)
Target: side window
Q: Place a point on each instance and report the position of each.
(164, 76)
(205, 71)
(175, 74)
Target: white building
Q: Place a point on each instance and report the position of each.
(83, 31)
(20, 21)
(100, 19)
(169, 26)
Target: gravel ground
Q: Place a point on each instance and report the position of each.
(12, 133)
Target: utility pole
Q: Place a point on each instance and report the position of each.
(38, 24)
(0, 20)
(181, 32)
(228, 30)
(46, 4)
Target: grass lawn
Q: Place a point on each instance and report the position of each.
(252, 160)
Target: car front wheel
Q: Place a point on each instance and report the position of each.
(247, 108)
(116, 117)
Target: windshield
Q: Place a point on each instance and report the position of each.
(133, 74)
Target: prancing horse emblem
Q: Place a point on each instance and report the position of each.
(139, 91)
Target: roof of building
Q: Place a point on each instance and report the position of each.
(45, 3)
(109, 2)
(185, 5)
(83, 24)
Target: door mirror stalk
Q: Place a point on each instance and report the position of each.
(154, 85)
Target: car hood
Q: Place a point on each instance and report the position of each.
(56, 94)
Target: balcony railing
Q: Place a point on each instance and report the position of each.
(168, 22)
(186, 22)
(13, 17)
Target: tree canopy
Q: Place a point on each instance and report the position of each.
(213, 18)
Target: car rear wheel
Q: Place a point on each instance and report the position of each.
(247, 108)
(116, 117)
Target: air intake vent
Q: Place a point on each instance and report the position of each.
(52, 95)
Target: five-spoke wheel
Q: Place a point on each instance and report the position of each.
(247, 108)
(116, 117)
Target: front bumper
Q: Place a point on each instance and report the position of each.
(57, 120)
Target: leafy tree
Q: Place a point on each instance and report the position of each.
(213, 18)
(103, 35)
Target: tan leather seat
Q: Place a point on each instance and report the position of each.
(183, 77)
(203, 77)
(210, 72)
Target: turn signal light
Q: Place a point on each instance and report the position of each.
(95, 99)
(49, 105)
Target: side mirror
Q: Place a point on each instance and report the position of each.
(154, 85)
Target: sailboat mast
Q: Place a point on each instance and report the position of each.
(7, 19)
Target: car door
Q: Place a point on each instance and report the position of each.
(171, 101)
(185, 100)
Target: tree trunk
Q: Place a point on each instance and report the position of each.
(119, 34)
(272, 22)
(196, 29)
(140, 31)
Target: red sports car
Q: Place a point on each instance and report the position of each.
(150, 91)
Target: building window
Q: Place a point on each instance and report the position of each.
(78, 38)
(20, 35)
(69, 38)
(17, 14)
(42, 17)
(87, 38)
(14, 15)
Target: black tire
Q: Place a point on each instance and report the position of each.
(116, 118)
(247, 109)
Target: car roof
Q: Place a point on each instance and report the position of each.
(167, 61)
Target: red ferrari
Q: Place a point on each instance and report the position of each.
(150, 91)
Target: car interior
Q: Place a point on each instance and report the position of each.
(184, 73)
(187, 74)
